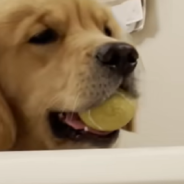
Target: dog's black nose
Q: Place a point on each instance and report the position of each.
(120, 57)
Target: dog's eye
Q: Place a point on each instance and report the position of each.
(45, 37)
(107, 31)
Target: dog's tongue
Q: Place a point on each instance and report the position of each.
(74, 121)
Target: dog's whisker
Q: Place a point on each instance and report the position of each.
(75, 105)
(107, 95)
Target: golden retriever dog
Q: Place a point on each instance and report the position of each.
(59, 58)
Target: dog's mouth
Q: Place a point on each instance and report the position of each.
(70, 126)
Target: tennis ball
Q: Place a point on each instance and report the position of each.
(111, 115)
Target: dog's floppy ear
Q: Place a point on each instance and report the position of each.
(7, 126)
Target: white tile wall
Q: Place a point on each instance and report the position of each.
(160, 120)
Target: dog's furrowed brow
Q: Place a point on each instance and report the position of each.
(20, 22)
(14, 23)
(17, 15)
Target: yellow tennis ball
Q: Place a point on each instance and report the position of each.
(112, 115)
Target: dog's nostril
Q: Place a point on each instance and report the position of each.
(132, 59)
(128, 54)
(131, 54)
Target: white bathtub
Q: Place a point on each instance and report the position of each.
(116, 166)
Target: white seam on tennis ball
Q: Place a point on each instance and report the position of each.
(92, 121)
(131, 103)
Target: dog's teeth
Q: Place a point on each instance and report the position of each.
(77, 136)
(86, 129)
(60, 115)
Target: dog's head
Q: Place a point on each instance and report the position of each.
(58, 58)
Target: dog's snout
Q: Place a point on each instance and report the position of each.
(121, 57)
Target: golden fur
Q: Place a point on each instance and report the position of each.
(34, 79)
